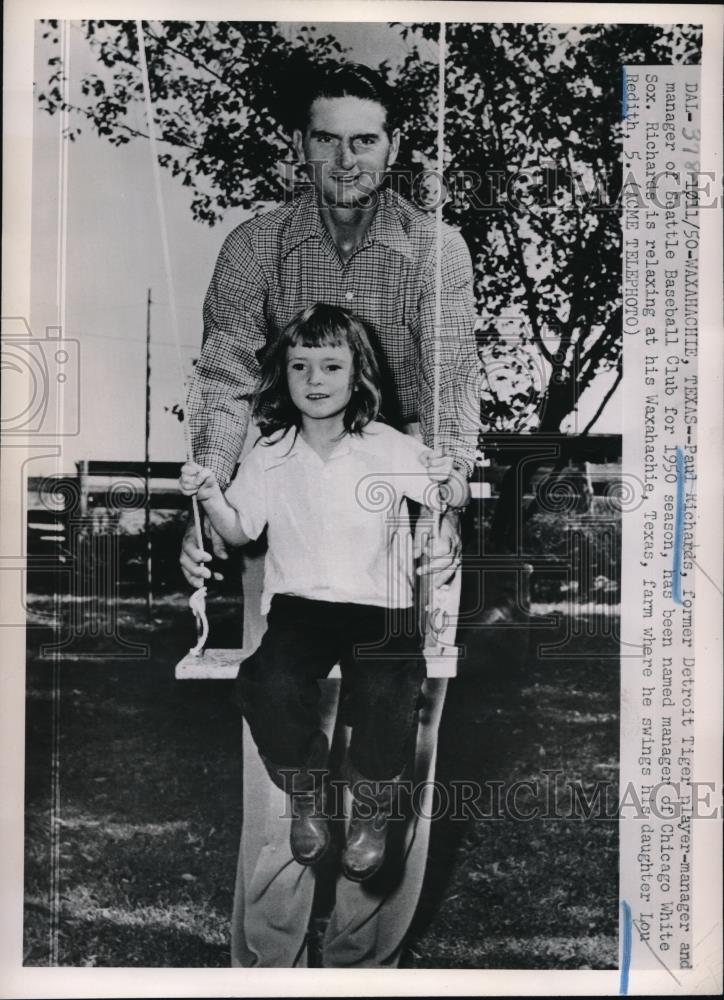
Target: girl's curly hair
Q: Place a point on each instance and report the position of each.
(318, 326)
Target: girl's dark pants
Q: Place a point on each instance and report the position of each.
(383, 668)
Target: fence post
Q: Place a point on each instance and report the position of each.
(147, 464)
(81, 532)
(82, 467)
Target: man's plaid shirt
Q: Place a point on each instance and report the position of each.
(272, 266)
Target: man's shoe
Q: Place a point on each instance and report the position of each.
(309, 836)
(364, 851)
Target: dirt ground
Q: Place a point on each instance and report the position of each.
(149, 811)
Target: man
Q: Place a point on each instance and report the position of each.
(347, 241)
(350, 243)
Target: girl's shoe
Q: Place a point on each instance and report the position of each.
(364, 851)
(309, 835)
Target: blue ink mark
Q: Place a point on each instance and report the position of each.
(678, 526)
(624, 97)
(625, 948)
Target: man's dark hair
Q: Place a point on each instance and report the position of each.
(332, 79)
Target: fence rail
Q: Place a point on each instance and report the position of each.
(597, 455)
(63, 511)
(52, 501)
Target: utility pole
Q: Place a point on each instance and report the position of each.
(147, 463)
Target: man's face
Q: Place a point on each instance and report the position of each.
(346, 149)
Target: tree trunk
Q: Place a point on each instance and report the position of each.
(559, 401)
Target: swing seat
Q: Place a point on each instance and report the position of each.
(223, 664)
(440, 651)
(211, 665)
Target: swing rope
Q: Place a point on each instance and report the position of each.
(197, 601)
(427, 588)
(438, 235)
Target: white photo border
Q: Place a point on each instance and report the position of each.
(17, 981)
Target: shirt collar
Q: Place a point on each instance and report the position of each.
(305, 223)
(293, 446)
(386, 226)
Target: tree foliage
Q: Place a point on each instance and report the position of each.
(533, 163)
(217, 93)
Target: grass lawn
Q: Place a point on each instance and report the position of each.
(150, 801)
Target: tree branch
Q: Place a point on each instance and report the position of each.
(241, 94)
(528, 286)
(540, 227)
(605, 400)
(135, 133)
(511, 233)
(574, 196)
(599, 348)
(194, 62)
(576, 310)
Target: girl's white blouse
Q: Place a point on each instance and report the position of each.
(337, 530)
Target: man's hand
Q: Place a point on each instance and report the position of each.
(453, 483)
(192, 558)
(441, 551)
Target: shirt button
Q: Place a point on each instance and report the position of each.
(349, 296)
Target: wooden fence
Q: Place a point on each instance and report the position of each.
(105, 497)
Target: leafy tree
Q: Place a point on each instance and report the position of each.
(217, 90)
(533, 164)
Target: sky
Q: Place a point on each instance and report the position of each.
(114, 255)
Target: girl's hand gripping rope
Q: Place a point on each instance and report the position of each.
(195, 479)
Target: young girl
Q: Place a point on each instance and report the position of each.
(328, 482)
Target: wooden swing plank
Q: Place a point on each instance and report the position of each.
(440, 650)
(223, 664)
(219, 665)
(211, 665)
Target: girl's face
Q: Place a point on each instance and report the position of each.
(320, 379)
